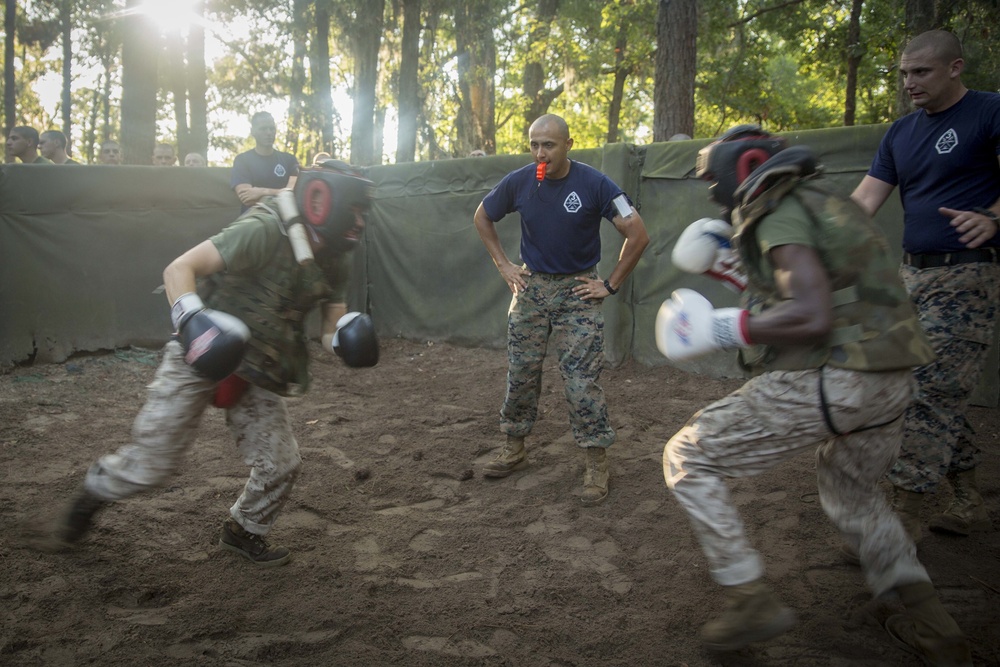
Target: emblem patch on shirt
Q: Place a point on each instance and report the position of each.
(279, 170)
(572, 203)
(947, 142)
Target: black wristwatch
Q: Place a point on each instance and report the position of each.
(608, 287)
(981, 211)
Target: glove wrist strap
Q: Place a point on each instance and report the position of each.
(184, 307)
(730, 327)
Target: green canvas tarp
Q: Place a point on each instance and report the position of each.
(82, 249)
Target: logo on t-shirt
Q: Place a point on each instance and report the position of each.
(947, 142)
(279, 170)
(572, 203)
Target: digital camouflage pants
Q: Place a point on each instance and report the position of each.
(546, 309)
(167, 426)
(778, 415)
(958, 310)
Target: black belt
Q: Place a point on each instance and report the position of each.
(930, 260)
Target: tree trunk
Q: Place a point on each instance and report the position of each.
(140, 41)
(676, 61)
(621, 73)
(918, 17)
(366, 34)
(197, 88)
(177, 81)
(297, 82)
(855, 50)
(9, 99)
(66, 26)
(539, 98)
(476, 53)
(408, 102)
(319, 63)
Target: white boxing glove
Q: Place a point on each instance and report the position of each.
(687, 326)
(704, 247)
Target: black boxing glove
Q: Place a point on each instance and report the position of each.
(355, 341)
(213, 341)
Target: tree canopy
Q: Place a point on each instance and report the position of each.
(399, 80)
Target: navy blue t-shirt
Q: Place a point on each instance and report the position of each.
(945, 159)
(263, 171)
(560, 218)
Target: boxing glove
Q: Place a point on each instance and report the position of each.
(355, 341)
(213, 341)
(705, 247)
(687, 326)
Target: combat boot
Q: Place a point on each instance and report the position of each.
(251, 546)
(79, 518)
(907, 505)
(595, 476)
(967, 512)
(926, 629)
(512, 457)
(753, 614)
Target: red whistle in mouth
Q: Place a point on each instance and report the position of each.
(540, 171)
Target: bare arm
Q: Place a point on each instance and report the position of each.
(871, 193)
(512, 274)
(332, 312)
(806, 314)
(975, 228)
(181, 275)
(636, 240)
(250, 195)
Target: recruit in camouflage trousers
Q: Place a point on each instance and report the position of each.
(547, 304)
(957, 307)
(167, 426)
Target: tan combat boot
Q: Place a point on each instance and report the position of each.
(966, 512)
(595, 476)
(926, 629)
(907, 505)
(511, 457)
(753, 614)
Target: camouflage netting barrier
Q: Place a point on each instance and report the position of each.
(82, 249)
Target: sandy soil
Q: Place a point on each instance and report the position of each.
(405, 555)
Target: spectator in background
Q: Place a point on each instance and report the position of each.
(52, 145)
(194, 160)
(111, 152)
(262, 171)
(479, 152)
(164, 156)
(22, 143)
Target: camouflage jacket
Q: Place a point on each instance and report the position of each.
(875, 326)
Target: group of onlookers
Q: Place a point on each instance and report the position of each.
(51, 147)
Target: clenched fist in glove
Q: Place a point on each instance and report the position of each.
(704, 247)
(355, 340)
(687, 326)
(213, 341)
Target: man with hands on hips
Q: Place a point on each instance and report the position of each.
(557, 290)
(831, 337)
(240, 345)
(945, 158)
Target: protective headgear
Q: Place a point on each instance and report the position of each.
(327, 195)
(728, 160)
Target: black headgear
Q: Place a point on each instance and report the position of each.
(326, 195)
(728, 160)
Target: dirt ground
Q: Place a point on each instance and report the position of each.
(405, 555)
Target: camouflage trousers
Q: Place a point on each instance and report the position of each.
(547, 308)
(957, 307)
(778, 415)
(166, 428)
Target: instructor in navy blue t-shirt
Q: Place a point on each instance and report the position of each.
(944, 158)
(557, 290)
(263, 170)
